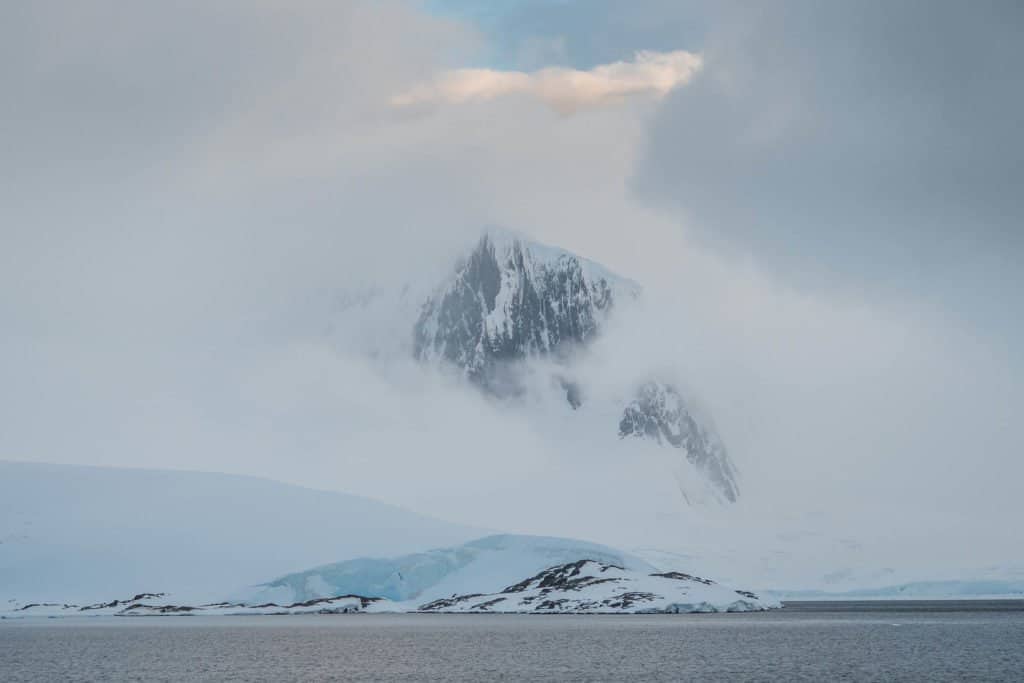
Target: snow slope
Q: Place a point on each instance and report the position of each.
(85, 533)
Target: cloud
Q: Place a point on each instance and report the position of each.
(870, 146)
(565, 90)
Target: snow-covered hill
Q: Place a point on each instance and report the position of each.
(586, 587)
(82, 534)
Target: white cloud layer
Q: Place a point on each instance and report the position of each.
(565, 90)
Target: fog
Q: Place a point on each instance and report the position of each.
(191, 194)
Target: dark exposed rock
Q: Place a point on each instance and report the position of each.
(562, 577)
(573, 393)
(363, 601)
(487, 604)
(684, 577)
(211, 605)
(546, 307)
(659, 412)
(147, 596)
(448, 602)
(117, 603)
(626, 600)
(160, 609)
(39, 604)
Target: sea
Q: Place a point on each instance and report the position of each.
(805, 641)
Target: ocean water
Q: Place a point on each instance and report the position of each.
(804, 642)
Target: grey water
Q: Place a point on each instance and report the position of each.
(918, 641)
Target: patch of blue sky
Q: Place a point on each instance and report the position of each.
(529, 34)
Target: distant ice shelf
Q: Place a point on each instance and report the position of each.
(980, 589)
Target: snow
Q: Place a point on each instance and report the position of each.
(539, 254)
(587, 586)
(538, 258)
(537, 261)
(82, 534)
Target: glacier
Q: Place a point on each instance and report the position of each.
(480, 565)
(85, 533)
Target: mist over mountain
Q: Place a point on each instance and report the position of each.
(514, 318)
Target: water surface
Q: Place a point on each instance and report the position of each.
(933, 641)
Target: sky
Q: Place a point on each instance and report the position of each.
(820, 200)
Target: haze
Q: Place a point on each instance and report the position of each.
(823, 205)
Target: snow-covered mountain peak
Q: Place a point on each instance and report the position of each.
(509, 245)
(511, 299)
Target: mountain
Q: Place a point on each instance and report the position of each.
(84, 533)
(511, 306)
(511, 300)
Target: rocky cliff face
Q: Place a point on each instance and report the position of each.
(511, 300)
(659, 412)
